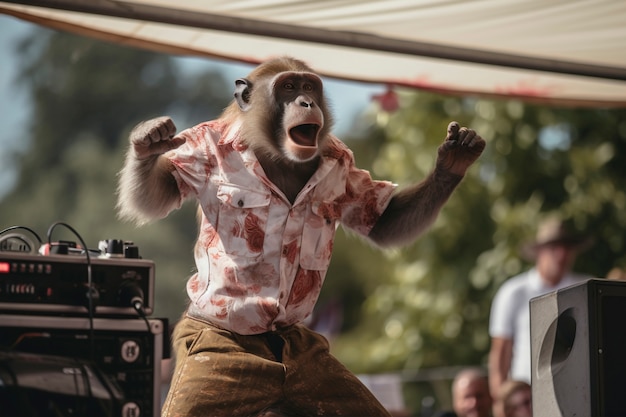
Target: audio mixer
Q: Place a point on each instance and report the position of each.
(69, 284)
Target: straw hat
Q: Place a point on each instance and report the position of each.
(554, 230)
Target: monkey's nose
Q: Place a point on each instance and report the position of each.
(305, 103)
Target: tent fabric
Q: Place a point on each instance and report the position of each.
(559, 52)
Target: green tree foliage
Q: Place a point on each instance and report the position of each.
(86, 97)
(427, 305)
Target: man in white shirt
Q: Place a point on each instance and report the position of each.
(554, 252)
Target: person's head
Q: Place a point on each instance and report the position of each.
(470, 394)
(616, 274)
(555, 249)
(516, 399)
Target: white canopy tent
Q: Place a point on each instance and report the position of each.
(561, 52)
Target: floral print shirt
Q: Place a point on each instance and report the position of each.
(261, 260)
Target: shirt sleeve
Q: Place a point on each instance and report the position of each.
(192, 160)
(366, 200)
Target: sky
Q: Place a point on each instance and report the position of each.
(14, 105)
(347, 99)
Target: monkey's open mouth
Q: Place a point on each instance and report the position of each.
(305, 135)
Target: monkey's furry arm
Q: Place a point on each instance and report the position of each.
(147, 189)
(412, 210)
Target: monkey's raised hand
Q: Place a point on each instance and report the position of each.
(460, 149)
(154, 137)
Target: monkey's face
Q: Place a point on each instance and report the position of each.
(299, 97)
(283, 112)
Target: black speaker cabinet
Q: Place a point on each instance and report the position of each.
(578, 345)
(74, 366)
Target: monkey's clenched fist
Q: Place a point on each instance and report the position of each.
(154, 137)
(460, 149)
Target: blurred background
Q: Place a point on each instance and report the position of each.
(417, 313)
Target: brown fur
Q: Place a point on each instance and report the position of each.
(264, 131)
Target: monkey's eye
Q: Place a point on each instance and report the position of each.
(307, 87)
(288, 86)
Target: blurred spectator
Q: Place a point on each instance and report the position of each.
(617, 274)
(515, 399)
(470, 395)
(554, 252)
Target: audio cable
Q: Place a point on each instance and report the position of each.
(91, 292)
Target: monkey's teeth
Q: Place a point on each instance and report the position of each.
(305, 135)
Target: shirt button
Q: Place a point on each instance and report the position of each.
(240, 203)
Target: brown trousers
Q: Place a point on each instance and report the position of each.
(289, 373)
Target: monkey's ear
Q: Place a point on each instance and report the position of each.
(243, 87)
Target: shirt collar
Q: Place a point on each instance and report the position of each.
(536, 283)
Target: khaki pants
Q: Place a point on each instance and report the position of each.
(220, 373)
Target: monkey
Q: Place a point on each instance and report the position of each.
(272, 184)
